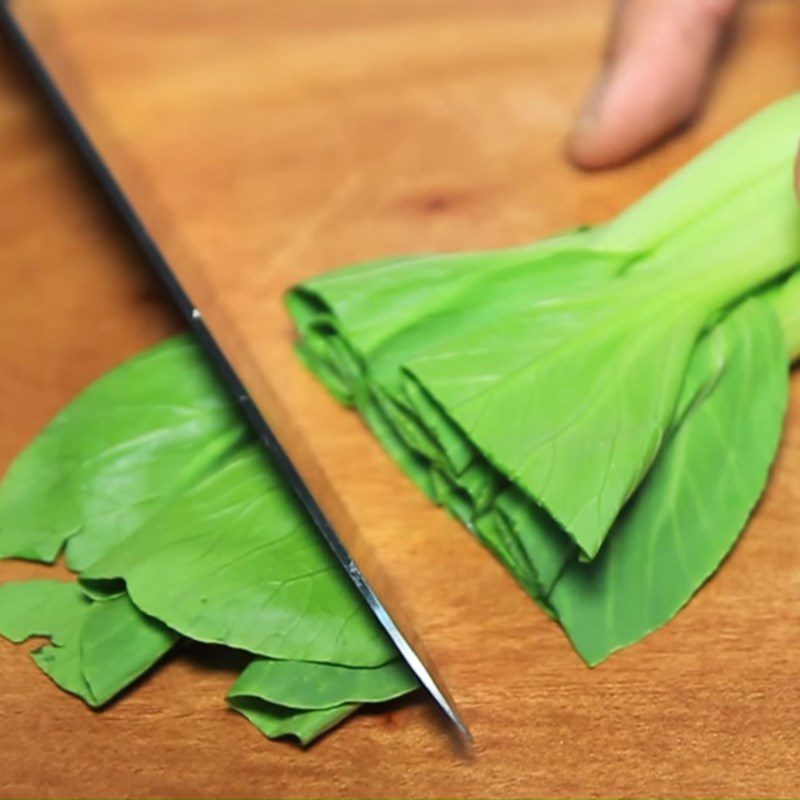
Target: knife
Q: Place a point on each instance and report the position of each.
(262, 409)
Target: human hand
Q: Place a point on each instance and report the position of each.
(656, 74)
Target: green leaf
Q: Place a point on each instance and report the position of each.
(56, 610)
(247, 570)
(308, 685)
(113, 456)
(210, 543)
(695, 501)
(96, 649)
(303, 699)
(571, 398)
(613, 377)
(276, 721)
(153, 451)
(118, 644)
(363, 324)
(386, 312)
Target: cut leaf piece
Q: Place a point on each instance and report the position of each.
(276, 721)
(308, 685)
(111, 458)
(694, 503)
(96, 650)
(238, 552)
(247, 570)
(119, 644)
(56, 610)
(177, 456)
(302, 699)
(41, 608)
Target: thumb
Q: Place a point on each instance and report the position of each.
(660, 59)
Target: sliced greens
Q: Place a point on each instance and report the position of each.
(309, 697)
(246, 570)
(96, 649)
(108, 461)
(309, 685)
(276, 721)
(203, 543)
(573, 402)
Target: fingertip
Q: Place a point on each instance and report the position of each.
(585, 151)
(585, 146)
(631, 110)
(655, 80)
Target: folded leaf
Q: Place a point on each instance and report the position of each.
(276, 721)
(118, 644)
(307, 685)
(247, 570)
(694, 503)
(302, 699)
(96, 649)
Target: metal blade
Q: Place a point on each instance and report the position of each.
(342, 537)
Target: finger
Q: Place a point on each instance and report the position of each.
(654, 79)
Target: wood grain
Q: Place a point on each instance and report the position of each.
(265, 142)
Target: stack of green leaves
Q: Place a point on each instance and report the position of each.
(601, 408)
(178, 527)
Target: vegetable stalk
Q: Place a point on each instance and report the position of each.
(541, 393)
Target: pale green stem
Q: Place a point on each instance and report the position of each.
(765, 142)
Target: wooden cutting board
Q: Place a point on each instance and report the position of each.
(264, 142)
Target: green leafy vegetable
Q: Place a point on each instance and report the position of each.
(681, 524)
(246, 570)
(570, 401)
(118, 644)
(54, 610)
(277, 721)
(108, 461)
(96, 649)
(307, 699)
(307, 685)
(191, 532)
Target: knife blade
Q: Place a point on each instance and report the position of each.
(262, 409)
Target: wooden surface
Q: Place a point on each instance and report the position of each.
(266, 142)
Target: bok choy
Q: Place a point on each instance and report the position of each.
(600, 408)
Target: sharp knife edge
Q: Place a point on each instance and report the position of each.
(407, 643)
